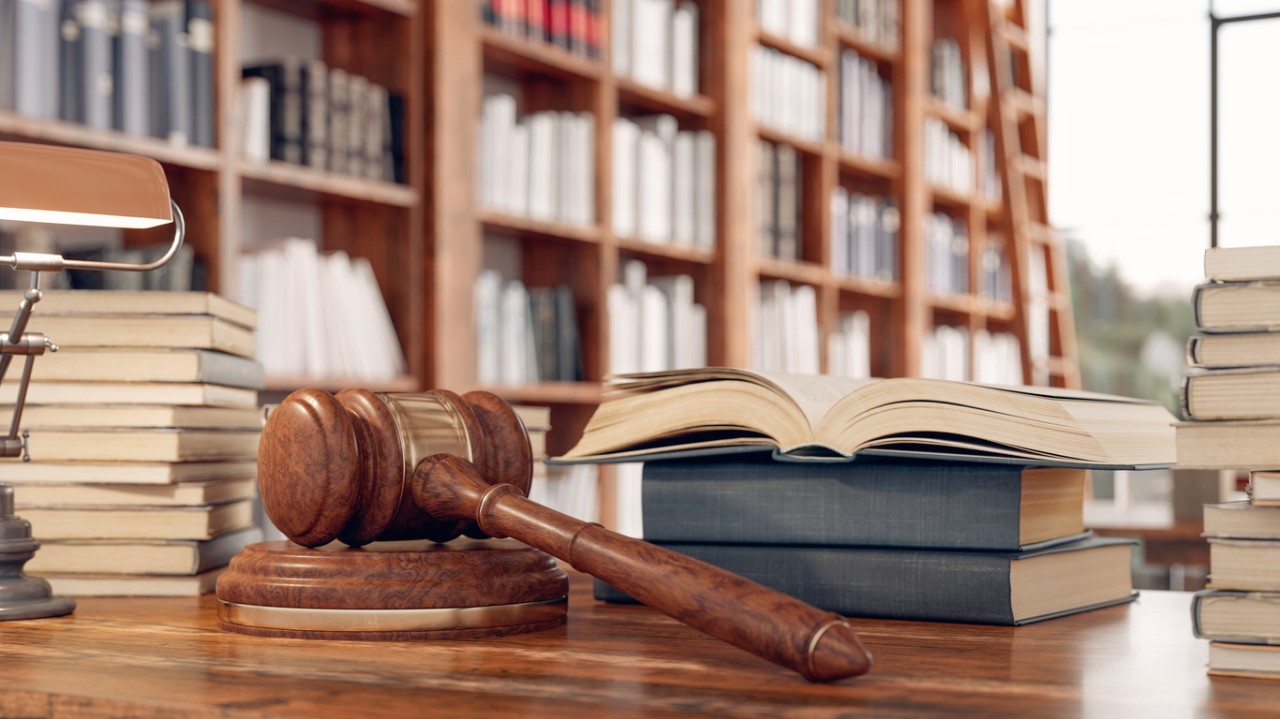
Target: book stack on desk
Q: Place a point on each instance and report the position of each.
(1239, 612)
(1228, 397)
(144, 429)
(902, 498)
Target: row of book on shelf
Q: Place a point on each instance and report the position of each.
(664, 182)
(320, 315)
(540, 165)
(575, 26)
(864, 235)
(926, 522)
(866, 107)
(656, 43)
(144, 68)
(787, 94)
(525, 334)
(1230, 423)
(306, 113)
(143, 430)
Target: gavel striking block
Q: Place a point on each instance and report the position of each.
(362, 467)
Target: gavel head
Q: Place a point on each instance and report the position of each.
(339, 466)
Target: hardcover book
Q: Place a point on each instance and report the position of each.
(138, 522)
(1249, 661)
(806, 417)
(71, 393)
(153, 557)
(158, 364)
(1234, 264)
(1008, 588)
(119, 416)
(1237, 306)
(1264, 488)
(1246, 444)
(143, 445)
(1241, 520)
(1234, 349)
(1239, 617)
(139, 495)
(156, 473)
(881, 502)
(1243, 393)
(1244, 564)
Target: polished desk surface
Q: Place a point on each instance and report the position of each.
(166, 657)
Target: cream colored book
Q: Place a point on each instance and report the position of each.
(122, 556)
(1264, 487)
(142, 445)
(207, 395)
(20, 473)
(131, 522)
(808, 417)
(124, 302)
(1244, 445)
(89, 495)
(158, 364)
(1251, 565)
(132, 585)
(102, 416)
(191, 331)
(1229, 264)
(1241, 520)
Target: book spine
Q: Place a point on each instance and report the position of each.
(904, 504)
(200, 48)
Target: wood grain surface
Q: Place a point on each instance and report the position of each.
(166, 658)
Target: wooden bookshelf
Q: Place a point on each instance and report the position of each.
(426, 238)
(381, 221)
(464, 49)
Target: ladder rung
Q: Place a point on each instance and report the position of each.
(1032, 167)
(1024, 103)
(1015, 35)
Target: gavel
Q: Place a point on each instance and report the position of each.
(361, 467)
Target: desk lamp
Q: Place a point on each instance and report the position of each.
(67, 186)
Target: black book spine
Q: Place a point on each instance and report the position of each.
(885, 503)
(200, 46)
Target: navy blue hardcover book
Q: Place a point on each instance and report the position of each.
(881, 502)
(1007, 588)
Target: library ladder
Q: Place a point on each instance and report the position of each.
(1038, 257)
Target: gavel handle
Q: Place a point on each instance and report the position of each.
(819, 645)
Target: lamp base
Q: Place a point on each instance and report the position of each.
(23, 597)
(392, 591)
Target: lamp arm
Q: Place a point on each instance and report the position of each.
(43, 262)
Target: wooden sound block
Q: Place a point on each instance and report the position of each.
(392, 591)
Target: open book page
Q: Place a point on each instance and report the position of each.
(814, 394)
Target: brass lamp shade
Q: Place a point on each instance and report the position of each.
(72, 186)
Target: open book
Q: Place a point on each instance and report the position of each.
(717, 410)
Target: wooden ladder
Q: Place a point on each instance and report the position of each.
(1038, 256)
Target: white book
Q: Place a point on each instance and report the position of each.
(839, 236)
(518, 172)
(302, 260)
(684, 49)
(567, 142)
(805, 306)
(621, 31)
(657, 150)
(485, 313)
(651, 59)
(655, 330)
(378, 317)
(705, 188)
(587, 168)
(626, 143)
(683, 191)
(859, 344)
(697, 349)
(515, 310)
(503, 125)
(255, 119)
(345, 338)
(678, 290)
(543, 151)
(623, 330)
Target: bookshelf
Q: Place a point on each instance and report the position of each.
(377, 220)
(429, 238)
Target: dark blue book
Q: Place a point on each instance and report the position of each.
(131, 84)
(171, 73)
(880, 502)
(1007, 588)
(200, 47)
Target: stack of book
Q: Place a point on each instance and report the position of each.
(1231, 422)
(143, 433)
(1239, 612)
(1232, 419)
(903, 498)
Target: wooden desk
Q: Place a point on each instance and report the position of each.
(165, 657)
